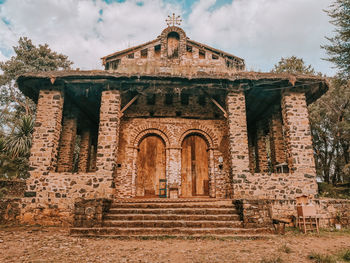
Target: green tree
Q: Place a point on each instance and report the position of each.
(17, 111)
(293, 65)
(330, 123)
(339, 48)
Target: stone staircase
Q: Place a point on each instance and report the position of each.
(180, 218)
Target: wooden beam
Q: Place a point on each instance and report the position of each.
(129, 104)
(216, 103)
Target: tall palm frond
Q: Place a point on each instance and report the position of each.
(20, 141)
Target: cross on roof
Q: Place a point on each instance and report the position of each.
(173, 20)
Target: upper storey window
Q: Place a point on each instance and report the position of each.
(157, 51)
(173, 43)
(201, 54)
(144, 53)
(131, 55)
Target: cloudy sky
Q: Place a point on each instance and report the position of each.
(260, 31)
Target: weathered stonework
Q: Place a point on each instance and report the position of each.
(298, 134)
(194, 103)
(108, 136)
(67, 143)
(47, 129)
(237, 133)
(85, 151)
(263, 165)
(278, 155)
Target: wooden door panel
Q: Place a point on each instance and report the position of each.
(150, 166)
(194, 167)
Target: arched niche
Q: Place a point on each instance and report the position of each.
(173, 45)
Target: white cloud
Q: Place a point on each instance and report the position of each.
(261, 31)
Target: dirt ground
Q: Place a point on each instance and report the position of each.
(36, 244)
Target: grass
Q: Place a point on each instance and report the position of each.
(345, 255)
(273, 259)
(285, 249)
(320, 258)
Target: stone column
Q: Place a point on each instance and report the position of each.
(84, 154)
(67, 142)
(47, 128)
(263, 164)
(237, 133)
(297, 133)
(278, 154)
(252, 161)
(108, 135)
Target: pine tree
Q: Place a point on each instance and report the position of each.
(339, 48)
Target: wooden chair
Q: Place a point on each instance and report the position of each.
(307, 218)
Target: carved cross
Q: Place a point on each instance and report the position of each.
(173, 20)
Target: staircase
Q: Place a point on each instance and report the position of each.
(154, 218)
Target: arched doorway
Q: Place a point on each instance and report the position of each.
(150, 166)
(194, 167)
(173, 45)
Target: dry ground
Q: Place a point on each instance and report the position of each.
(36, 244)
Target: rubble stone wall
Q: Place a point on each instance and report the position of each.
(259, 213)
(50, 199)
(274, 186)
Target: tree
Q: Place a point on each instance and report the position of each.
(339, 48)
(17, 111)
(330, 124)
(293, 65)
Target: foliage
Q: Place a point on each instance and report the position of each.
(339, 48)
(273, 259)
(17, 111)
(345, 255)
(320, 258)
(330, 124)
(330, 191)
(286, 249)
(330, 127)
(293, 65)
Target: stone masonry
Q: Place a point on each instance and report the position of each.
(172, 88)
(47, 130)
(298, 134)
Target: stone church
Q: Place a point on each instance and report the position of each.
(170, 119)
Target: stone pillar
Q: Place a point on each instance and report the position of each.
(278, 154)
(252, 161)
(84, 154)
(47, 128)
(67, 142)
(237, 133)
(108, 135)
(263, 164)
(297, 133)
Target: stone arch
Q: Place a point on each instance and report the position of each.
(149, 132)
(164, 39)
(208, 139)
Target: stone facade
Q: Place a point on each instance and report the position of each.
(195, 91)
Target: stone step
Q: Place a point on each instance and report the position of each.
(105, 231)
(172, 224)
(171, 205)
(221, 217)
(176, 211)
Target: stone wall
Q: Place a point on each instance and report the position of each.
(12, 188)
(50, 198)
(259, 213)
(10, 210)
(254, 213)
(89, 212)
(274, 186)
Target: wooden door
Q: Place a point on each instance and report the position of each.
(194, 167)
(150, 166)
